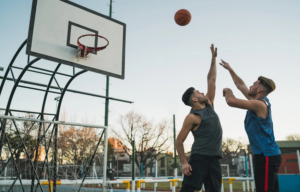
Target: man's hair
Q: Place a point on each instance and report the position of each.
(191, 102)
(268, 84)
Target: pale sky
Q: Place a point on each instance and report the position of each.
(164, 59)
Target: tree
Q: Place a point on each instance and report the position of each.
(27, 131)
(293, 137)
(231, 148)
(76, 144)
(150, 139)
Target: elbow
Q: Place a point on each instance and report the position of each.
(178, 143)
(230, 102)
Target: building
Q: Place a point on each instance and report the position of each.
(289, 163)
(41, 154)
(119, 158)
(166, 164)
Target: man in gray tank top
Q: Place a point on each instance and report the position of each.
(203, 166)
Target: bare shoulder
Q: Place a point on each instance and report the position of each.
(193, 119)
(261, 103)
(264, 104)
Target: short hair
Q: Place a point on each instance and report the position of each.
(268, 84)
(191, 102)
(186, 95)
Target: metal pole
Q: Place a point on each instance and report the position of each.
(155, 175)
(175, 158)
(5, 170)
(82, 171)
(246, 166)
(247, 174)
(251, 165)
(11, 97)
(107, 82)
(298, 157)
(228, 170)
(132, 167)
(142, 170)
(118, 165)
(105, 161)
(10, 64)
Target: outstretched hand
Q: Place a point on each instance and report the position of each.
(213, 51)
(225, 64)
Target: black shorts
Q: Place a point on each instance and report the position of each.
(207, 171)
(265, 172)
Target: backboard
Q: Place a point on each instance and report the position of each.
(55, 26)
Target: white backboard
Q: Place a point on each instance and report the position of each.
(55, 26)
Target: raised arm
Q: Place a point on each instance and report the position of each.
(257, 106)
(212, 76)
(239, 83)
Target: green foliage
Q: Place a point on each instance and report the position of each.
(28, 140)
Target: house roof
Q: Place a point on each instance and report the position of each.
(283, 144)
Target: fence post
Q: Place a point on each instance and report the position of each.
(222, 188)
(105, 162)
(244, 186)
(252, 185)
(173, 181)
(133, 167)
(248, 189)
(142, 169)
(138, 185)
(230, 184)
(155, 175)
(127, 185)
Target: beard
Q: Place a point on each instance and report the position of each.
(252, 93)
(202, 100)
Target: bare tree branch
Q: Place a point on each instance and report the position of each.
(150, 139)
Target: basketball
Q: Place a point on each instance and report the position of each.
(182, 17)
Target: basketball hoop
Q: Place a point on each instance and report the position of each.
(83, 50)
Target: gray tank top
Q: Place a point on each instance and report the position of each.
(208, 136)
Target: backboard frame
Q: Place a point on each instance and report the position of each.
(43, 56)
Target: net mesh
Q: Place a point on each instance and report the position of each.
(28, 156)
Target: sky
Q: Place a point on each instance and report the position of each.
(164, 59)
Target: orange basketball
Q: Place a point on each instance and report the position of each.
(182, 17)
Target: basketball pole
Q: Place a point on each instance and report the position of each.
(107, 84)
(107, 81)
